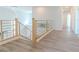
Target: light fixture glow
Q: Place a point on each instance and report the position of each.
(40, 10)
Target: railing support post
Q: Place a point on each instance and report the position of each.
(46, 25)
(33, 31)
(1, 34)
(17, 25)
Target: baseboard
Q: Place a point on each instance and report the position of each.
(44, 35)
(8, 40)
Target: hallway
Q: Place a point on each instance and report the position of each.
(56, 41)
(60, 41)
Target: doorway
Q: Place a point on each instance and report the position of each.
(68, 22)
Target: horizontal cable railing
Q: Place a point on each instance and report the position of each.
(39, 28)
(42, 26)
(13, 28)
(7, 29)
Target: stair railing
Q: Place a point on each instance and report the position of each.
(39, 28)
(13, 28)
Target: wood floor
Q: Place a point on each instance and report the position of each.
(56, 41)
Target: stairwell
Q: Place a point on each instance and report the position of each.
(12, 30)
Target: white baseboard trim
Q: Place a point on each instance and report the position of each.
(8, 40)
(44, 35)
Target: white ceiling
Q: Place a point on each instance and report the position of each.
(27, 8)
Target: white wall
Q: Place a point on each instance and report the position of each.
(23, 13)
(77, 20)
(73, 15)
(10, 13)
(6, 13)
(51, 13)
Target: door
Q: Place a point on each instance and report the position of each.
(68, 22)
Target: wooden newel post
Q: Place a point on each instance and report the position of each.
(46, 25)
(1, 34)
(17, 25)
(33, 31)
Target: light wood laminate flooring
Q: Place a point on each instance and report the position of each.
(56, 41)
